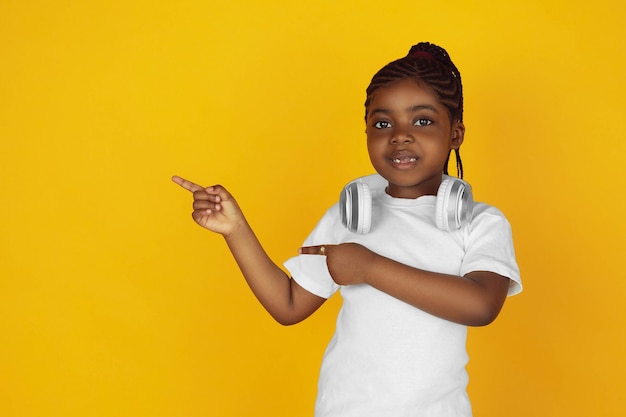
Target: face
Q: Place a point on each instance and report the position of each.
(409, 137)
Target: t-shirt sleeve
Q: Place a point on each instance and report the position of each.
(311, 271)
(489, 247)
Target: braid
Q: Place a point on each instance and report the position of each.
(430, 66)
(459, 164)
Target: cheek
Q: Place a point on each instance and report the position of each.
(373, 145)
(376, 136)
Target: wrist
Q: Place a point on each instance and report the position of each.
(238, 231)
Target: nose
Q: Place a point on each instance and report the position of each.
(401, 137)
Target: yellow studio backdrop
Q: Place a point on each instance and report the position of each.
(114, 303)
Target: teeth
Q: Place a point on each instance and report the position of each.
(397, 160)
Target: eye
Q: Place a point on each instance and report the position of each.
(381, 124)
(422, 122)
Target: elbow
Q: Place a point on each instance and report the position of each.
(285, 322)
(485, 306)
(286, 319)
(484, 316)
(482, 321)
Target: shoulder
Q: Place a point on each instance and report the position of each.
(481, 209)
(489, 245)
(488, 223)
(485, 213)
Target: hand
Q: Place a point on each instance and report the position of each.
(348, 263)
(214, 208)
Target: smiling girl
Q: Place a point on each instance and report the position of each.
(409, 288)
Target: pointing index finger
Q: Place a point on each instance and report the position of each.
(186, 184)
(315, 250)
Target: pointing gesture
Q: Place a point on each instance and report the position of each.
(348, 263)
(214, 208)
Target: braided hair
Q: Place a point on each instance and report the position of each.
(429, 66)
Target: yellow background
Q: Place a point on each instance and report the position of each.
(114, 303)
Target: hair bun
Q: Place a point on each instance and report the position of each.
(422, 54)
(429, 50)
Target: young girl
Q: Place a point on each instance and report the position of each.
(409, 288)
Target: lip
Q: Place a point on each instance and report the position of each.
(403, 159)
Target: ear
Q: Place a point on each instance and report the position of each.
(458, 134)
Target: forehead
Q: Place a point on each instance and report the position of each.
(404, 94)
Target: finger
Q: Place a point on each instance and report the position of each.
(186, 184)
(315, 250)
(215, 194)
(205, 205)
(202, 194)
(217, 190)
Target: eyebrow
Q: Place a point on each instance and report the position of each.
(411, 109)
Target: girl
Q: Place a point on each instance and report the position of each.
(409, 288)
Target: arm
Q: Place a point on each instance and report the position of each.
(474, 299)
(215, 209)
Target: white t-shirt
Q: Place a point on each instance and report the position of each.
(388, 358)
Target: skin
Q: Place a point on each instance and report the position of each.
(409, 135)
(215, 209)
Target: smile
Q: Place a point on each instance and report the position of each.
(403, 160)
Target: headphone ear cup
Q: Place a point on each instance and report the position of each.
(454, 205)
(355, 207)
(365, 209)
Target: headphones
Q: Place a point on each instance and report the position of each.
(453, 208)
